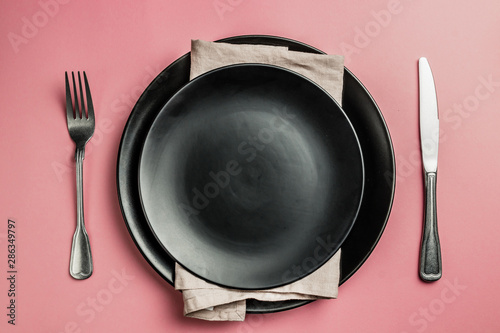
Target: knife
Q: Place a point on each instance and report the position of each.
(430, 251)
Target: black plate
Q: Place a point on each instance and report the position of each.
(362, 111)
(246, 171)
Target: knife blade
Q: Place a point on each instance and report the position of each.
(430, 250)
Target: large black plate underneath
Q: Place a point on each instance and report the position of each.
(362, 111)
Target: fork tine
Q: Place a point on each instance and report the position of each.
(90, 105)
(70, 113)
(77, 106)
(82, 100)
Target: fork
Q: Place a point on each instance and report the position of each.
(81, 125)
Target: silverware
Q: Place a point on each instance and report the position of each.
(81, 125)
(430, 251)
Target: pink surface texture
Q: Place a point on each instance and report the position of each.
(123, 45)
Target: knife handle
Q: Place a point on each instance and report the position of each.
(430, 252)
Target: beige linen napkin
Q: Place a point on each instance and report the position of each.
(207, 301)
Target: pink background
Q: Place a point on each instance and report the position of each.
(123, 45)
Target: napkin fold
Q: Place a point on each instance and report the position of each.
(207, 301)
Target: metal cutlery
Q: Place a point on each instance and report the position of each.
(430, 251)
(81, 125)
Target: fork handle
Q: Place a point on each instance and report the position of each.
(430, 252)
(80, 266)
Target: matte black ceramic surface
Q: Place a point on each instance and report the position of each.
(361, 110)
(247, 173)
